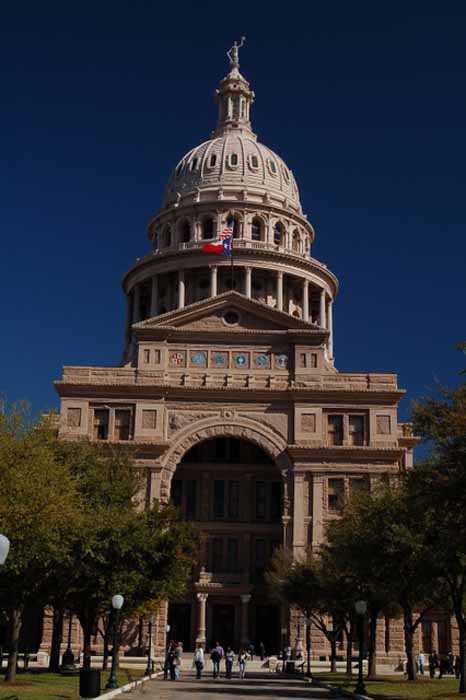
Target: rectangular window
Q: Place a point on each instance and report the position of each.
(336, 492)
(156, 357)
(260, 557)
(358, 484)
(302, 359)
(233, 500)
(147, 356)
(177, 493)
(275, 501)
(219, 500)
(122, 424)
(335, 430)
(356, 430)
(101, 417)
(217, 555)
(73, 417)
(261, 500)
(232, 555)
(314, 360)
(191, 496)
(149, 419)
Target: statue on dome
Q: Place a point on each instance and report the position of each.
(233, 53)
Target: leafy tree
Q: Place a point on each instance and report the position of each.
(38, 508)
(438, 485)
(380, 537)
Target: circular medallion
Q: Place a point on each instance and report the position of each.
(262, 361)
(219, 359)
(177, 358)
(282, 361)
(199, 359)
(241, 360)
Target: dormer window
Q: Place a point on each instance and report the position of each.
(179, 168)
(232, 160)
(286, 174)
(212, 160)
(272, 167)
(253, 162)
(193, 164)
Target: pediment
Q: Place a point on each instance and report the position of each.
(213, 315)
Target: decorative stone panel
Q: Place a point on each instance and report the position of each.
(149, 421)
(308, 424)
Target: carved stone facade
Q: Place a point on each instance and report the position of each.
(228, 387)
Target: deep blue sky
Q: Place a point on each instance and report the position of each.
(365, 101)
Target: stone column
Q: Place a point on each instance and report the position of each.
(317, 511)
(330, 328)
(154, 301)
(306, 300)
(280, 291)
(201, 625)
(248, 282)
(136, 302)
(213, 280)
(322, 316)
(181, 289)
(299, 532)
(434, 636)
(245, 600)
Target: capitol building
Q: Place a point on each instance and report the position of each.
(229, 389)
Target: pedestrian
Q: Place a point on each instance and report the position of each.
(433, 663)
(262, 650)
(288, 653)
(170, 662)
(421, 660)
(451, 663)
(229, 661)
(251, 650)
(178, 658)
(242, 656)
(216, 655)
(198, 661)
(443, 665)
(457, 666)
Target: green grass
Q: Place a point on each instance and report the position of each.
(398, 688)
(41, 685)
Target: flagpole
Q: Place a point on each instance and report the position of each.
(232, 268)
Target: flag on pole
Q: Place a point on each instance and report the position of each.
(224, 247)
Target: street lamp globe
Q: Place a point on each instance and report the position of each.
(4, 548)
(167, 628)
(361, 607)
(117, 601)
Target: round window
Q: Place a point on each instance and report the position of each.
(231, 318)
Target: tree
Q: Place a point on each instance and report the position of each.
(438, 485)
(38, 509)
(380, 538)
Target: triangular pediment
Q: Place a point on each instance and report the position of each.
(214, 314)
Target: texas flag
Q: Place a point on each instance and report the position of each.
(224, 247)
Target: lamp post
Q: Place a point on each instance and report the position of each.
(148, 670)
(67, 662)
(308, 646)
(4, 548)
(117, 604)
(361, 608)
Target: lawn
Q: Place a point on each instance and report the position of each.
(397, 688)
(41, 685)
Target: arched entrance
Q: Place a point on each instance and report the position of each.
(233, 490)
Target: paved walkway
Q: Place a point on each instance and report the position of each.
(256, 686)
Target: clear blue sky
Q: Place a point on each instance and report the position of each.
(365, 101)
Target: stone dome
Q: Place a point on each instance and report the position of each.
(232, 159)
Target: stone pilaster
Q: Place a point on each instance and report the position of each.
(201, 613)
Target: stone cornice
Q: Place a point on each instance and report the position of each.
(345, 453)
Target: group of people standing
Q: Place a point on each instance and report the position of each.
(444, 663)
(219, 655)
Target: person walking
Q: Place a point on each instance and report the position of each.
(421, 661)
(251, 650)
(242, 657)
(457, 666)
(170, 662)
(178, 659)
(262, 650)
(229, 661)
(198, 661)
(216, 656)
(433, 663)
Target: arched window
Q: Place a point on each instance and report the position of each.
(185, 232)
(256, 229)
(208, 228)
(234, 223)
(278, 233)
(296, 243)
(212, 160)
(167, 237)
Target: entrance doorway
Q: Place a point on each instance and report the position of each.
(179, 619)
(267, 628)
(223, 625)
